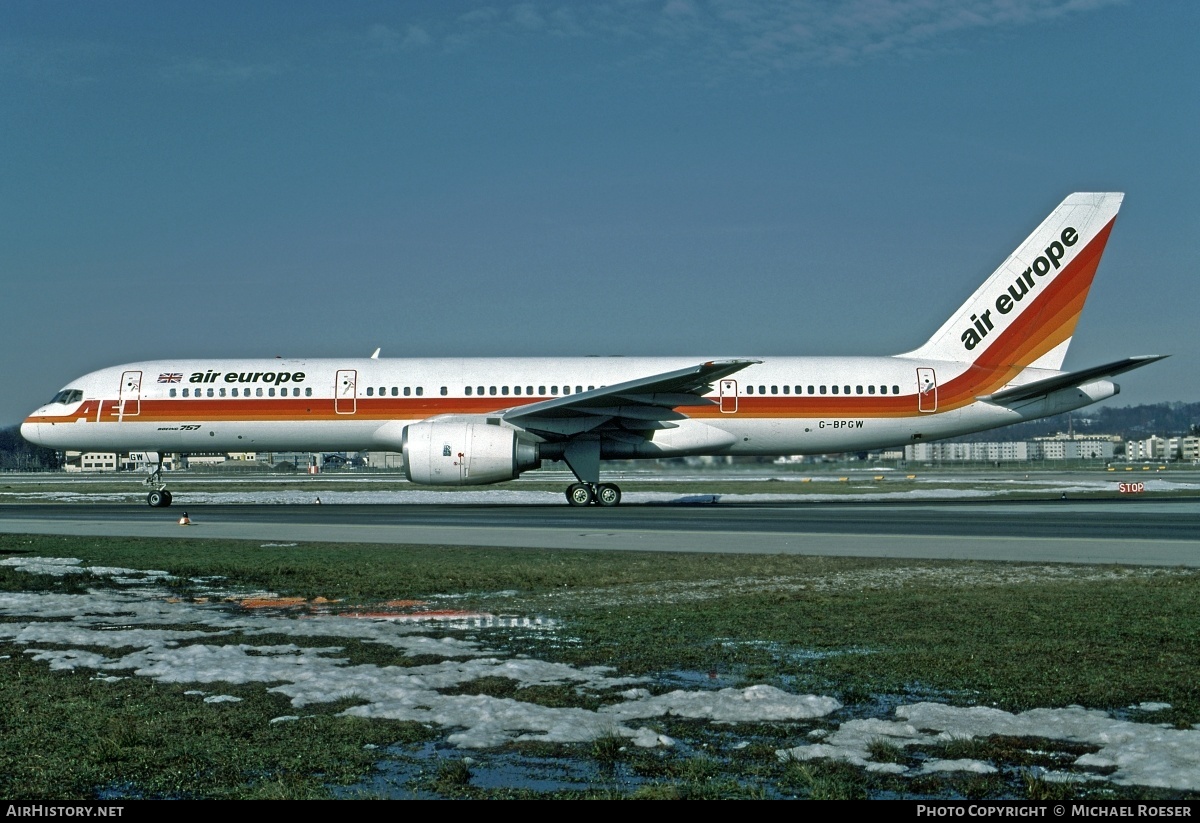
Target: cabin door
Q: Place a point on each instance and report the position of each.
(926, 390)
(345, 392)
(130, 402)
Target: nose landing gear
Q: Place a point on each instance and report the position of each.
(159, 497)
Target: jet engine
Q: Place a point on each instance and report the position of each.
(466, 452)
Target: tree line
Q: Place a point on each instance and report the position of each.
(19, 455)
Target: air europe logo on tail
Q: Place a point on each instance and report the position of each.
(1050, 259)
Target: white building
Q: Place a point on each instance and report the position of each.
(1152, 448)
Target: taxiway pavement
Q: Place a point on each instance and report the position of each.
(1136, 531)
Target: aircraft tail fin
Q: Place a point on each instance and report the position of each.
(1025, 314)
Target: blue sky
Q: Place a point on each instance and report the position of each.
(559, 178)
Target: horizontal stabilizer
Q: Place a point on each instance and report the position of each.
(1038, 388)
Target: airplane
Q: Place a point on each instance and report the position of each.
(471, 421)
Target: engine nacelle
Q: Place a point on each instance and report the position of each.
(465, 451)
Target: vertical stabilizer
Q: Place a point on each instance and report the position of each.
(1025, 313)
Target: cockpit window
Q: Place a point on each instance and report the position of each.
(68, 396)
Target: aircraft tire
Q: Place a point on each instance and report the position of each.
(156, 500)
(608, 494)
(580, 494)
(166, 498)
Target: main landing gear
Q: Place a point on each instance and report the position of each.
(159, 497)
(585, 494)
(583, 458)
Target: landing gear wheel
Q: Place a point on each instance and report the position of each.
(580, 494)
(157, 499)
(608, 494)
(166, 498)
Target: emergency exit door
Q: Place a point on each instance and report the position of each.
(729, 396)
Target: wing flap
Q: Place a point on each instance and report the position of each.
(636, 405)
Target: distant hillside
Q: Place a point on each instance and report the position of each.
(1131, 422)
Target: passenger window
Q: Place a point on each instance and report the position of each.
(785, 389)
(504, 389)
(823, 390)
(870, 389)
(185, 392)
(420, 390)
(445, 391)
(468, 391)
(749, 390)
(774, 390)
(591, 387)
(271, 391)
(858, 389)
(542, 390)
(173, 392)
(810, 390)
(554, 389)
(370, 391)
(516, 389)
(395, 391)
(491, 389)
(407, 391)
(578, 389)
(847, 389)
(762, 389)
(258, 392)
(529, 389)
(221, 392)
(308, 391)
(895, 389)
(835, 389)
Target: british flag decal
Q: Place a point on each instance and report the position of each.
(170, 377)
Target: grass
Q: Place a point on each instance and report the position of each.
(1101, 638)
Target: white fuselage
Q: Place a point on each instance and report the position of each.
(784, 405)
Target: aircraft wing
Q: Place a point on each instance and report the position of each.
(1038, 388)
(639, 405)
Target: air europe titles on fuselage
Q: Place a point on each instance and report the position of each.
(272, 377)
(1051, 258)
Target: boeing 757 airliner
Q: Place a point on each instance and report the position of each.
(473, 421)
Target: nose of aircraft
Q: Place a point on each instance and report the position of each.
(32, 432)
